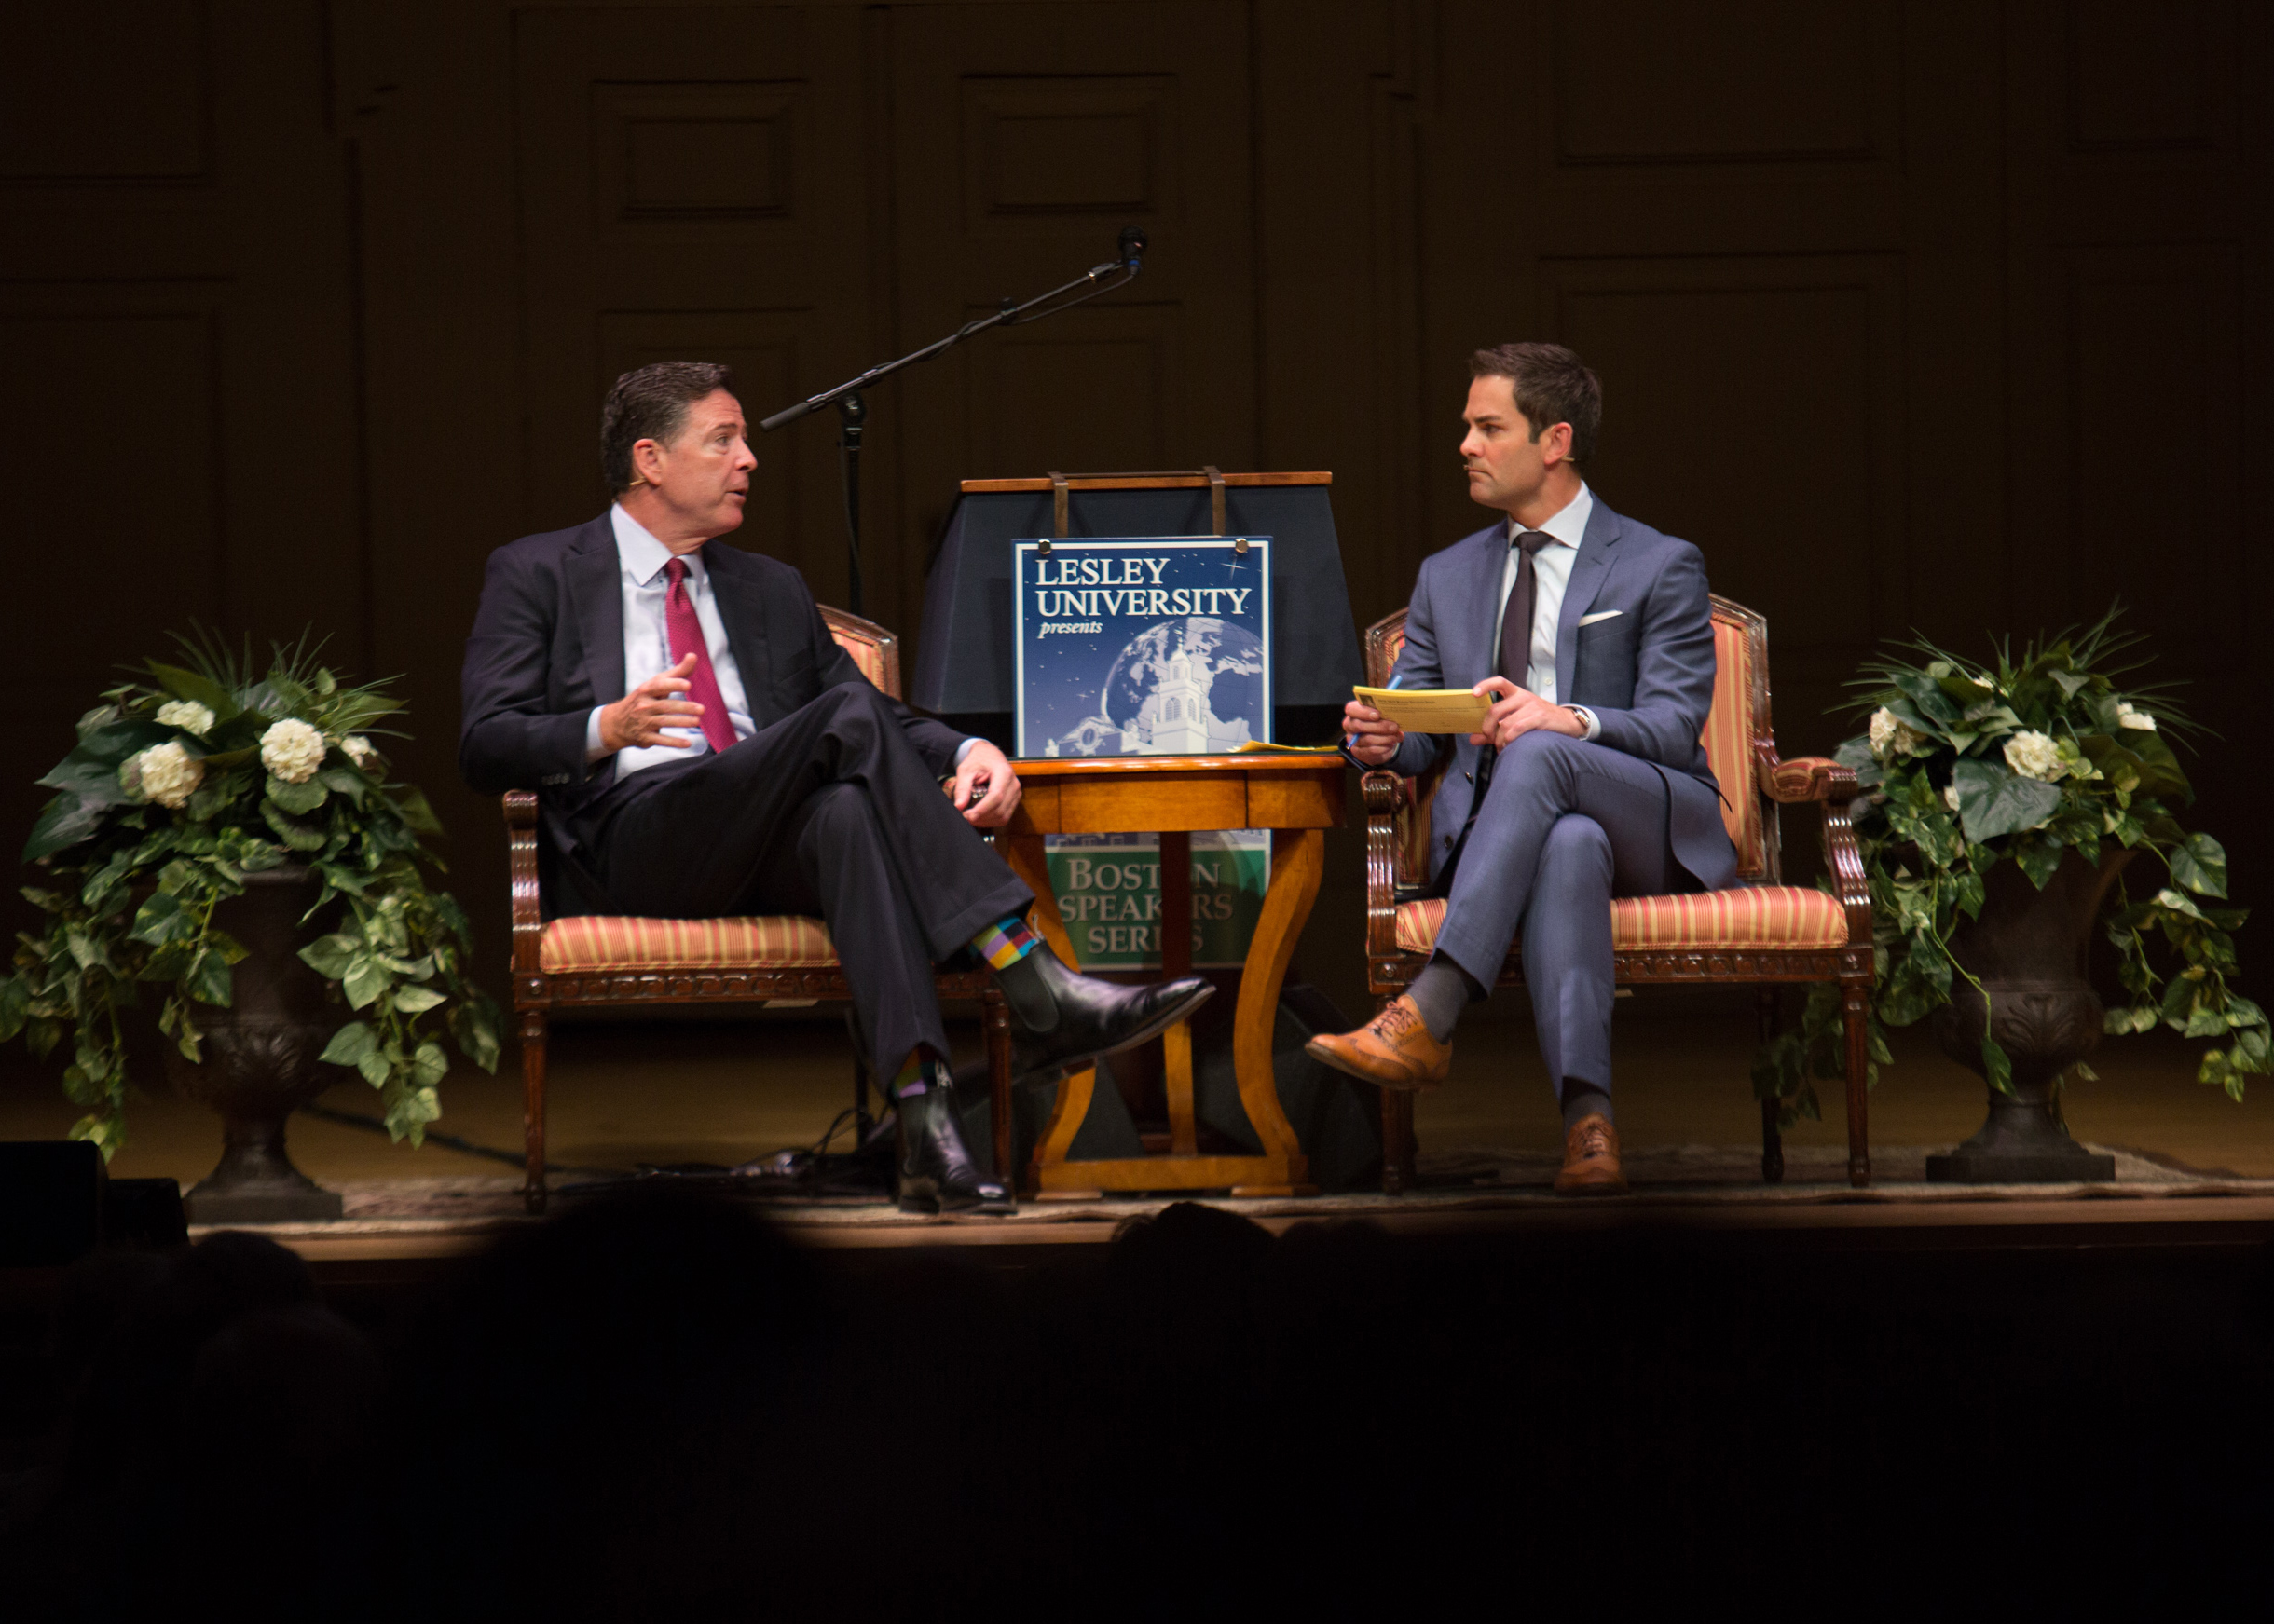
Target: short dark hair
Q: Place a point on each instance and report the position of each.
(649, 403)
(1552, 385)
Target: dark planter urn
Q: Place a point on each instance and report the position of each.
(2028, 950)
(261, 1060)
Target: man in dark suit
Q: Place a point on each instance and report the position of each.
(701, 745)
(1593, 636)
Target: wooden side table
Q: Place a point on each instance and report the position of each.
(1298, 797)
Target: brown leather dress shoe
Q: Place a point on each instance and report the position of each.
(1591, 1159)
(1394, 1049)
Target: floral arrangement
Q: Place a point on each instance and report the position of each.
(183, 784)
(2024, 760)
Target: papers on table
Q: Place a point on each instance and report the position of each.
(1429, 710)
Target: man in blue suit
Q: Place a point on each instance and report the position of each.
(1593, 636)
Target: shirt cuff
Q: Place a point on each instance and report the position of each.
(594, 750)
(1586, 716)
(964, 749)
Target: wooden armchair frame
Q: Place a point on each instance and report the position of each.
(1750, 771)
(541, 995)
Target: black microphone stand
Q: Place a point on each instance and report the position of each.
(852, 409)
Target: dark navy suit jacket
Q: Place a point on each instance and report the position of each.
(547, 645)
(1646, 672)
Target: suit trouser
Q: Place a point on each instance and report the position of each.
(829, 811)
(1565, 826)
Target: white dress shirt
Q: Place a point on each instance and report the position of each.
(1551, 573)
(640, 560)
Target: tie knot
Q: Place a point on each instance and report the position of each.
(1533, 541)
(676, 570)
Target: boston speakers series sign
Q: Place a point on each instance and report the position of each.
(1146, 646)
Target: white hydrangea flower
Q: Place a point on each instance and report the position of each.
(2128, 718)
(1892, 736)
(1949, 795)
(186, 714)
(2034, 755)
(165, 774)
(358, 749)
(291, 750)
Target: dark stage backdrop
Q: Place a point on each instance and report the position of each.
(1939, 314)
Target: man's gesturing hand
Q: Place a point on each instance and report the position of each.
(640, 717)
(986, 789)
(1516, 710)
(1372, 737)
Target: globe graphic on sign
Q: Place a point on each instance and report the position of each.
(1187, 685)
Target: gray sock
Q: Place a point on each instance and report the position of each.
(1441, 993)
(1583, 1099)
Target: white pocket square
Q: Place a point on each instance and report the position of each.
(1599, 615)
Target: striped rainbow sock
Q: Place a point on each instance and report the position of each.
(914, 1074)
(1006, 942)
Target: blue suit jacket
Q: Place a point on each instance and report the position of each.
(1646, 672)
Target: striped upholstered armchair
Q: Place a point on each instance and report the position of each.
(1758, 932)
(594, 960)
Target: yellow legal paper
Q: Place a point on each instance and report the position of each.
(1429, 710)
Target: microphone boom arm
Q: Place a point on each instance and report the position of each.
(1094, 280)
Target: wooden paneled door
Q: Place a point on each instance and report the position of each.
(693, 186)
(1025, 137)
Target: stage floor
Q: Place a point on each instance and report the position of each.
(661, 1093)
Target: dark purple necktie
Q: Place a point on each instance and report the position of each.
(1516, 619)
(686, 631)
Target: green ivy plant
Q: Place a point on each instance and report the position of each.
(185, 781)
(2023, 761)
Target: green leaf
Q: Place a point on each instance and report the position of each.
(163, 919)
(294, 833)
(1996, 1064)
(475, 1024)
(416, 813)
(2200, 864)
(190, 686)
(210, 980)
(429, 1064)
(365, 980)
(2038, 859)
(65, 821)
(2205, 1023)
(2084, 1072)
(2178, 902)
(1993, 801)
(330, 956)
(374, 1068)
(415, 999)
(351, 1044)
(92, 766)
(299, 799)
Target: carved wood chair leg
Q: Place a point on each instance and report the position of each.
(1768, 1013)
(995, 1017)
(1397, 1141)
(1859, 1097)
(533, 1107)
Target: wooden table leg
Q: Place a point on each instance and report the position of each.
(1176, 960)
(1298, 862)
(1030, 863)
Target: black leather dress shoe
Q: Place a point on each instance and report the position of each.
(1097, 1017)
(937, 1173)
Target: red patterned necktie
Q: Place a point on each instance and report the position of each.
(685, 632)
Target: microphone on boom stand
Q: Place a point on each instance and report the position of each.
(846, 398)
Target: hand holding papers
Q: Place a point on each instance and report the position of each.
(1429, 710)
